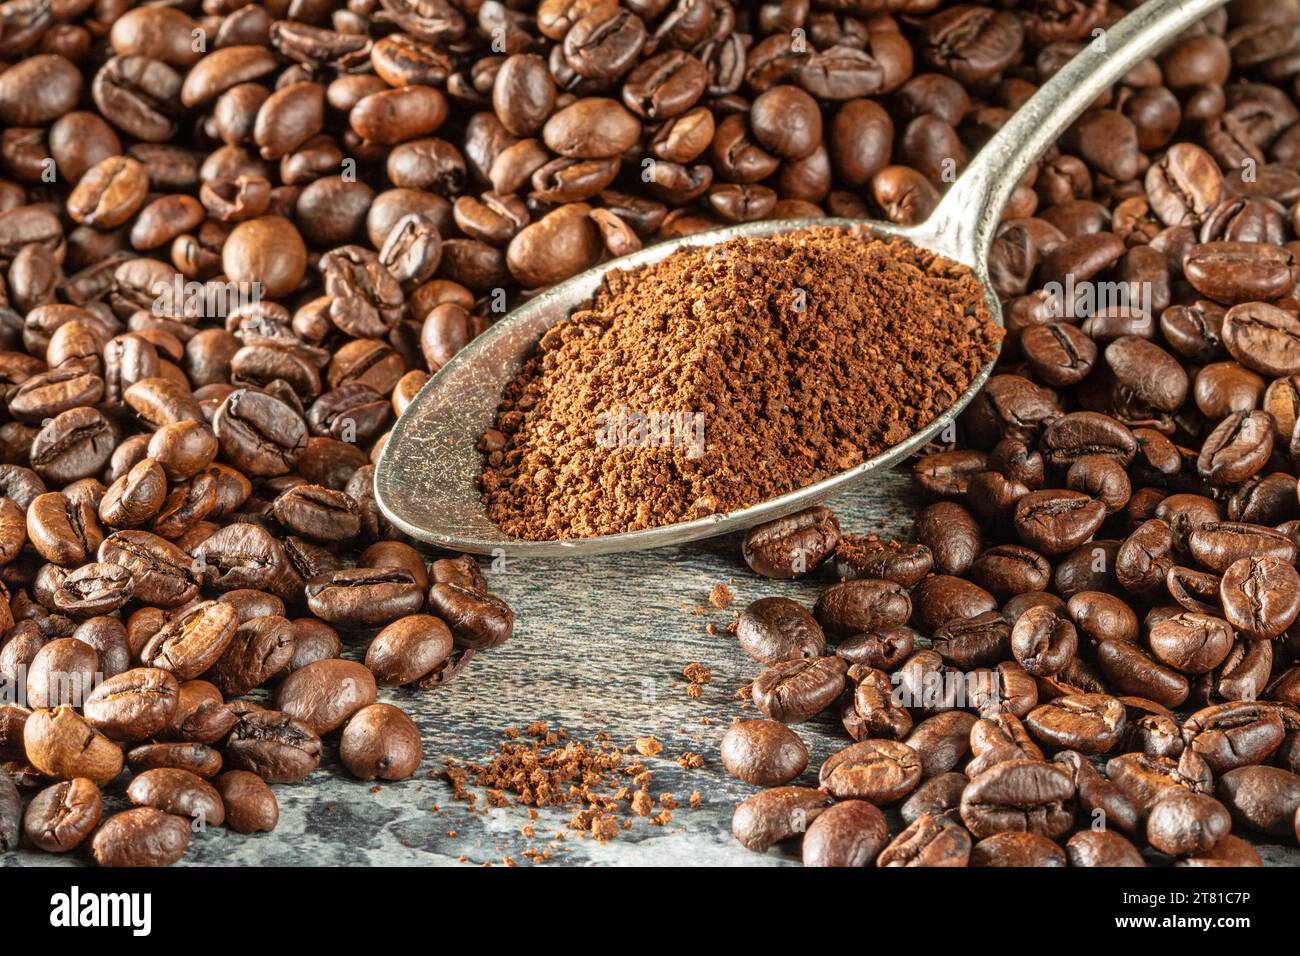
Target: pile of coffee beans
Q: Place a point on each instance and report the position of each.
(235, 239)
(1087, 653)
(1011, 712)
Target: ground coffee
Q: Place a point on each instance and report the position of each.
(724, 376)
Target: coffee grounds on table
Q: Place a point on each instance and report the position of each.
(724, 376)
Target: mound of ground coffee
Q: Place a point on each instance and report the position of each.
(724, 376)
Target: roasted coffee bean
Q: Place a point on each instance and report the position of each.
(1007, 570)
(1263, 798)
(1233, 272)
(1088, 723)
(194, 640)
(1261, 598)
(776, 814)
(1237, 448)
(790, 547)
(1097, 848)
(947, 474)
(178, 792)
(61, 816)
(902, 563)
(1231, 735)
(952, 536)
(64, 532)
(479, 621)
(980, 641)
(143, 836)
(1053, 522)
(941, 598)
(94, 589)
(774, 629)
(870, 710)
(246, 555)
(1018, 850)
(1019, 795)
(936, 796)
(1219, 544)
(763, 752)
(1043, 641)
(928, 841)
(1130, 670)
(260, 649)
(380, 742)
(134, 705)
(884, 650)
(409, 649)
(313, 640)
(249, 804)
(273, 745)
(1183, 823)
(160, 570)
(198, 758)
(942, 741)
(852, 833)
(1102, 617)
(362, 597)
(62, 745)
(798, 690)
(862, 604)
(63, 672)
(325, 694)
(1190, 642)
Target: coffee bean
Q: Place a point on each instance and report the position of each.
(325, 694)
(776, 814)
(1183, 823)
(878, 771)
(772, 630)
(928, 841)
(763, 752)
(1231, 735)
(880, 649)
(850, 834)
(1130, 670)
(380, 742)
(790, 547)
(1018, 850)
(1088, 723)
(198, 758)
(1190, 642)
(797, 690)
(1261, 598)
(249, 804)
(1053, 522)
(273, 745)
(143, 836)
(1263, 798)
(194, 640)
(62, 745)
(478, 621)
(134, 705)
(61, 816)
(178, 792)
(1019, 795)
(862, 604)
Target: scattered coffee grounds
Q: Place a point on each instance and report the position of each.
(721, 596)
(606, 786)
(697, 673)
(721, 377)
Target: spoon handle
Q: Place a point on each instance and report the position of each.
(967, 217)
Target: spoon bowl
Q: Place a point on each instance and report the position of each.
(426, 478)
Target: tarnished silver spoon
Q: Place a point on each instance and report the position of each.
(425, 481)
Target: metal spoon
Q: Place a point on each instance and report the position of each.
(425, 479)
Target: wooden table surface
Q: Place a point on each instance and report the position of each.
(599, 646)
